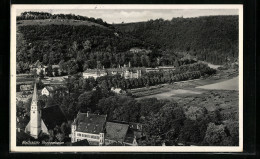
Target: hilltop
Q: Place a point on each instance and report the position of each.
(210, 38)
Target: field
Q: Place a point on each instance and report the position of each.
(215, 93)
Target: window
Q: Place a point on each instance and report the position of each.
(78, 134)
(33, 111)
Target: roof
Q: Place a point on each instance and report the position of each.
(90, 123)
(53, 116)
(116, 131)
(36, 64)
(51, 88)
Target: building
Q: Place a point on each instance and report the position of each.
(95, 73)
(126, 71)
(89, 126)
(47, 90)
(50, 90)
(98, 131)
(43, 120)
(38, 67)
(160, 68)
(129, 74)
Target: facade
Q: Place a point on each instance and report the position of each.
(95, 73)
(131, 74)
(88, 126)
(126, 71)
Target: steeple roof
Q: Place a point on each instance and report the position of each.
(35, 96)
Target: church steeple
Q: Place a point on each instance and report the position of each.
(35, 96)
(35, 115)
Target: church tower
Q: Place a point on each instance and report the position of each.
(35, 115)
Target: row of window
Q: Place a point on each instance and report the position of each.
(88, 136)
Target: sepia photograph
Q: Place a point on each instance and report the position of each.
(143, 78)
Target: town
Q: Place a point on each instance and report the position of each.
(83, 82)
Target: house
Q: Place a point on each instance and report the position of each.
(88, 126)
(38, 67)
(43, 120)
(48, 90)
(95, 73)
(98, 131)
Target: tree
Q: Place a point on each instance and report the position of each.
(41, 75)
(49, 71)
(72, 67)
(216, 136)
(85, 101)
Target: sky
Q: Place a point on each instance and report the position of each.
(136, 15)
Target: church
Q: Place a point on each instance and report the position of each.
(43, 120)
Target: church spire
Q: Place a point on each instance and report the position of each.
(35, 96)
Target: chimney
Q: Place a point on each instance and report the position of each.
(88, 112)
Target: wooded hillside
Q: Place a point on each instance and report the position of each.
(212, 38)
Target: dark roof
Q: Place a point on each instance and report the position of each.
(116, 131)
(53, 116)
(91, 123)
(81, 143)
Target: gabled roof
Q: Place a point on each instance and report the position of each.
(53, 116)
(50, 88)
(116, 131)
(90, 123)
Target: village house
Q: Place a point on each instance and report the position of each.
(38, 67)
(98, 131)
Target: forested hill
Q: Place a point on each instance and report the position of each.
(77, 43)
(81, 44)
(212, 38)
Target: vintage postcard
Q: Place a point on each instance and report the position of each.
(126, 78)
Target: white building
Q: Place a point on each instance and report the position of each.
(95, 73)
